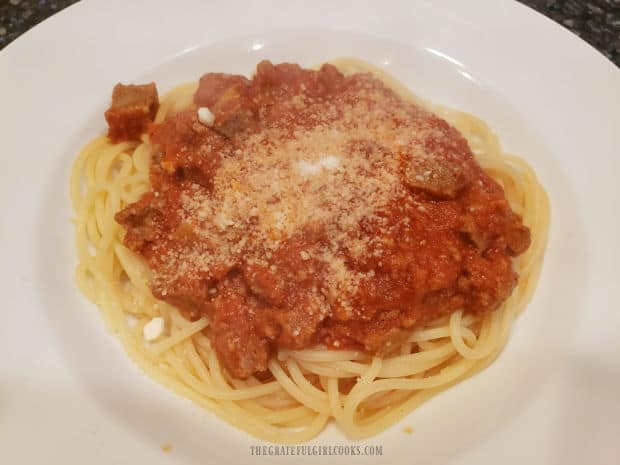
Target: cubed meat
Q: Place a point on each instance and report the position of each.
(133, 109)
(189, 148)
(440, 162)
(239, 348)
(227, 96)
(143, 221)
(440, 177)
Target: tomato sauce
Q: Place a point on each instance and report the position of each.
(318, 209)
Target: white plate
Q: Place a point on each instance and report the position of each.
(69, 394)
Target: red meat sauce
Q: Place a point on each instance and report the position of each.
(318, 209)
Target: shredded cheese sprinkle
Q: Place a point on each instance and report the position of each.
(153, 329)
(205, 116)
(339, 168)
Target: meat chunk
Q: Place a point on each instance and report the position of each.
(443, 179)
(133, 108)
(143, 222)
(228, 98)
(440, 163)
(285, 80)
(286, 89)
(189, 148)
(487, 280)
(491, 223)
(189, 293)
(239, 348)
(293, 306)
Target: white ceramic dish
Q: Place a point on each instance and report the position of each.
(69, 394)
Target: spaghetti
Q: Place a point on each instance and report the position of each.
(363, 394)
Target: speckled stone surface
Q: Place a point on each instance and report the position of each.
(17, 16)
(596, 21)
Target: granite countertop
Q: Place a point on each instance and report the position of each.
(596, 21)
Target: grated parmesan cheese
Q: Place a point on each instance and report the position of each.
(328, 162)
(205, 116)
(340, 168)
(153, 329)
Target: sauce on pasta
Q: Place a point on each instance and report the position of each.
(314, 208)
